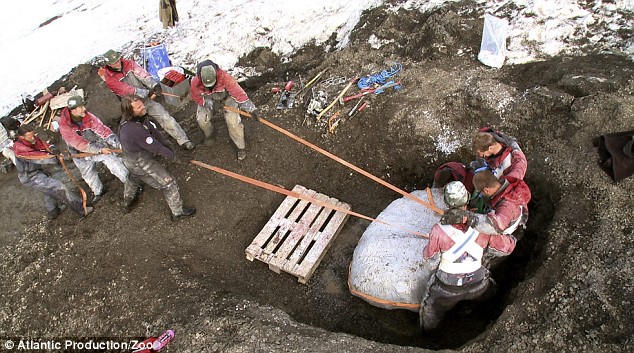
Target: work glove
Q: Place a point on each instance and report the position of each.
(54, 149)
(179, 159)
(157, 91)
(208, 103)
(142, 92)
(254, 115)
(66, 156)
(156, 94)
(454, 216)
(113, 141)
(247, 106)
(477, 165)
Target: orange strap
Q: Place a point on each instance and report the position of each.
(72, 178)
(372, 299)
(299, 196)
(78, 155)
(430, 197)
(337, 159)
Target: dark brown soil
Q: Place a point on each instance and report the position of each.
(567, 284)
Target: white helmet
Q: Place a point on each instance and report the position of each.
(456, 194)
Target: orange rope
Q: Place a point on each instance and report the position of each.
(299, 196)
(72, 178)
(78, 155)
(430, 197)
(376, 300)
(337, 159)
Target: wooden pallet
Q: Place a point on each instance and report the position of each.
(298, 234)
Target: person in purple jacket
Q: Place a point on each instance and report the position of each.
(141, 143)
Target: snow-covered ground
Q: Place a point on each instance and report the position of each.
(42, 41)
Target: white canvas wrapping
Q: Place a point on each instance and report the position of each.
(387, 268)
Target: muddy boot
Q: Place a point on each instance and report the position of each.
(128, 203)
(188, 145)
(97, 198)
(242, 154)
(56, 212)
(187, 212)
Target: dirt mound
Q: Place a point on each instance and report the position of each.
(567, 284)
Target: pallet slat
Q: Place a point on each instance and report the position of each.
(297, 236)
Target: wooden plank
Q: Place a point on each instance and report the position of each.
(281, 211)
(287, 225)
(296, 235)
(298, 254)
(42, 110)
(28, 118)
(323, 241)
(291, 241)
(48, 124)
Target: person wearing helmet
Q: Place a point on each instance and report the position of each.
(213, 84)
(502, 204)
(125, 77)
(83, 132)
(30, 154)
(457, 250)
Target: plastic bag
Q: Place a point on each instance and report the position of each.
(493, 46)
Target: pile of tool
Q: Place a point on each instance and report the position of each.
(47, 107)
(330, 113)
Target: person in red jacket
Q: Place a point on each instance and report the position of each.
(501, 153)
(506, 204)
(125, 77)
(458, 251)
(30, 154)
(214, 84)
(83, 132)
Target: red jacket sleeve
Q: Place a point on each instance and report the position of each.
(197, 91)
(504, 214)
(228, 83)
(518, 166)
(69, 130)
(437, 241)
(23, 149)
(502, 244)
(114, 79)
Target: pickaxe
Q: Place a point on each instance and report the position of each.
(370, 91)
